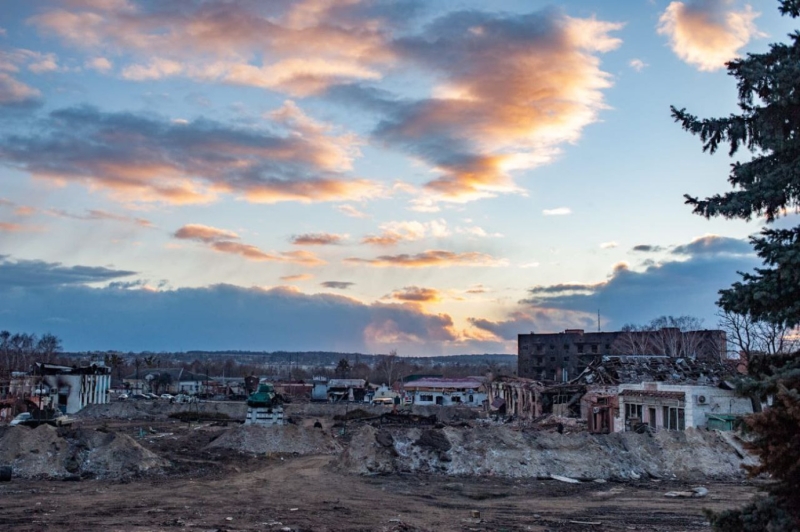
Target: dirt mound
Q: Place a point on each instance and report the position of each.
(46, 452)
(287, 439)
(501, 451)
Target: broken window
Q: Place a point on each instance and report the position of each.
(594, 348)
(674, 418)
(552, 359)
(633, 411)
(566, 347)
(455, 399)
(580, 348)
(426, 397)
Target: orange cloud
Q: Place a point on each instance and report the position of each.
(475, 130)
(204, 233)
(224, 241)
(431, 258)
(14, 93)
(297, 277)
(297, 47)
(11, 227)
(145, 159)
(417, 294)
(317, 239)
(708, 33)
(395, 232)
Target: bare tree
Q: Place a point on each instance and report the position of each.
(750, 337)
(387, 367)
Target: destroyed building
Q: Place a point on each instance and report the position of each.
(662, 393)
(562, 356)
(70, 389)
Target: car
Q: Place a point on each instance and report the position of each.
(63, 420)
(25, 416)
(123, 396)
(140, 397)
(167, 397)
(151, 395)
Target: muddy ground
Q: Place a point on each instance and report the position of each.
(216, 487)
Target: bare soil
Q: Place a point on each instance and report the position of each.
(219, 479)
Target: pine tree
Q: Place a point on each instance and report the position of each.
(768, 185)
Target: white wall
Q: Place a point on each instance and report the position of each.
(447, 398)
(717, 401)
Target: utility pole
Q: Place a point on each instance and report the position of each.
(598, 320)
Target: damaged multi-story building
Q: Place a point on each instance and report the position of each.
(562, 356)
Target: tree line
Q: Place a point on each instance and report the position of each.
(18, 351)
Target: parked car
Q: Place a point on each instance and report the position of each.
(140, 397)
(167, 397)
(123, 396)
(151, 395)
(25, 416)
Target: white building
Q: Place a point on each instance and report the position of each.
(675, 406)
(447, 392)
(70, 389)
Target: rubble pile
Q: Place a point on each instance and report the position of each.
(155, 410)
(50, 453)
(502, 451)
(286, 439)
(616, 369)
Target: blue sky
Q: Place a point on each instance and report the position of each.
(361, 175)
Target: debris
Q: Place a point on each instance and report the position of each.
(700, 491)
(229, 518)
(476, 514)
(293, 509)
(589, 523)
(565, 479)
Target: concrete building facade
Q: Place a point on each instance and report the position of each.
(563, 356)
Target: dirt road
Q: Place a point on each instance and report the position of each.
(308, 493)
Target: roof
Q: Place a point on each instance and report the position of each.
(642, 368)
(452, 384)
(346, 383)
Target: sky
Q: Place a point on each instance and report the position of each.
(362, 175)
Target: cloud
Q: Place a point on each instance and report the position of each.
(559, 211)
(337, 285)
(511, 89)
(100, 64)
(638, 65)
(297, 277)
(97, 214)
(686, 286)
(204, 233)
(221, 317)
(15, 94)
(352, 212)
(609, 245)
(708, 33)
(9, 227)
(535, 320)
(318, 239)
(647, 248)
(395, 232)
(715, 245)
(40, 274)
(224, 241)
(295, 47)
(416, 294)
(156, 160)
(431, 258)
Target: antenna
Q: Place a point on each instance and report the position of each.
(598, 320)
